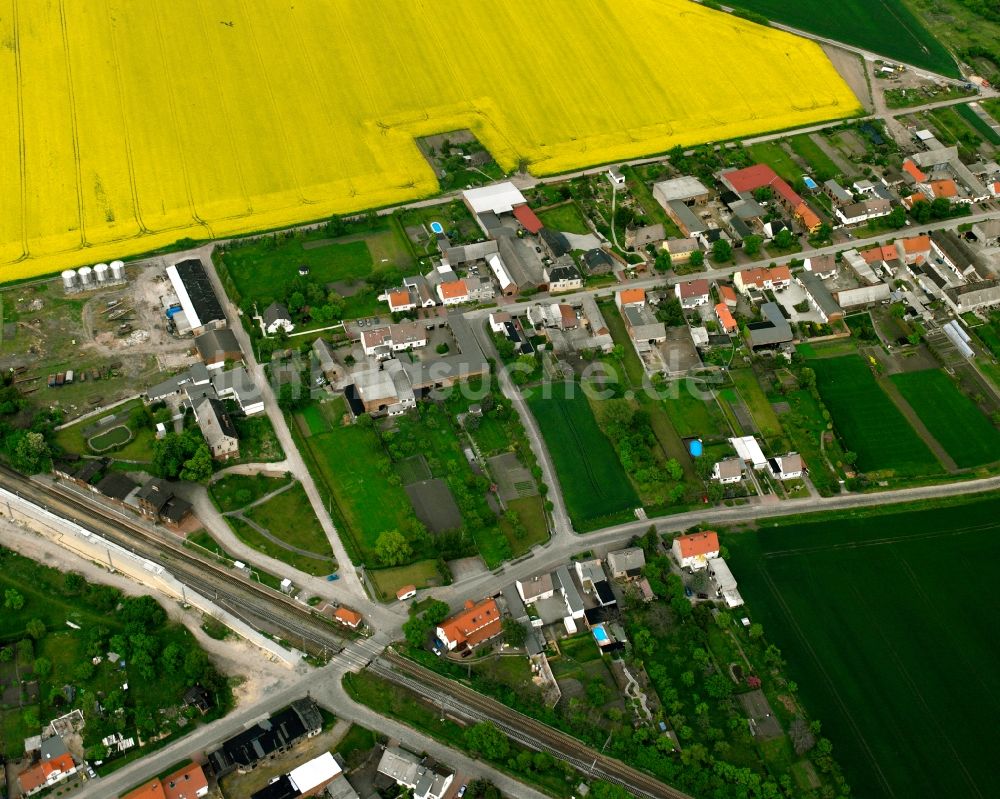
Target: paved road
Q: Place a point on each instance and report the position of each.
(325, 686)
(561, 525)
(349, 587)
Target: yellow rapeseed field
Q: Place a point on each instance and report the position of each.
(129, 124)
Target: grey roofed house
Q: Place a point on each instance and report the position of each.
(217, 428)
(819, 294)
(564, 583)
(730, 468)
(739, 228)
(523, 266)
(626, 562)
(116, 486)
(774, 330)
(217, 346)
(685, 218)
(597, 261)
(276, 312)
(556, 242)
(563, 271)
(456, 256)
(838, 192)
(536, 587)
(746, 210)
(243, 387)
(327, 363)
(643, 325)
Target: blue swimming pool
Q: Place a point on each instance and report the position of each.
(810, 183)
(601, 634)
(437, 228)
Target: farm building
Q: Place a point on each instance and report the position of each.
(819, 297)
(680, 250)
(725, 583)
(217, 346)
(199, 305)
(749, 451)
(773, 331)
(641, 237)
(217, 428)
(687, 189)
(693, 551)
(863, 295)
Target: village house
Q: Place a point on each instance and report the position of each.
(727, 471)
(786, 467)
(626, 564)
(408, 771)
(761, 278)
(217, 428)
(693, 551)
(186, 783)
(473, 625)
(277, 317)
(693, 293)
(726, 321)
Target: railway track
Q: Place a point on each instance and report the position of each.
(245, 599)
(465, 702)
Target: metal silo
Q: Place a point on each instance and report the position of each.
(118, 271)
(86, 276)
(102, 272)
(69, 280)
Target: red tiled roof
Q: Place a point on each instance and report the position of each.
(875, 254)
(151, 790)
(475, 624)
(629, 296)
(454, 289)
(750, 178)
(693, 288)
(406, 589)
(568, 315)
(944, 188)
(524, 215)
(347, 616)
(728, 294)
(918, 197)
(914, 171)
(762, 274)
(758, 176)
(917, 244)
(809, 217)
(398, 299)
(725, 317)
(185, 783)
(696, 544)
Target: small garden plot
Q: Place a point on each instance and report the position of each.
(950, 416)
(413, 469)
(751, 393)
(566, 218)
(422, 574)
(110, 439)
(868, 421)
(513, 480)
(435, 505)
(528, 526)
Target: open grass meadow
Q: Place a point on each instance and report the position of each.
(868, 421)
(290, 517)
(887, 27)
(756, 401)
(952, 418)
(822, 165)
(772, 154)
(368, 503)
(889, 632)
(592, 479)
(209, 120)
(566, 217)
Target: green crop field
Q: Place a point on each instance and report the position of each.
(592, 479)
(887, 27)
(868, 421)
(753, 395)
(822, 165)
(978, 124)
(951, 417)
(888, 632)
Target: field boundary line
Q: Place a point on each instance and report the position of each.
(797, 629)
(22, 143)
(74, 126)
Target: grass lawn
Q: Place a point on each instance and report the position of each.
(693, 416)
(772, 154)
(827, 349)
(491, 436)
(865, 23)
(868, 421)
(566, 217)
(886, 641)
(593, 482)
(113, 442)
(259, 269)
(235, 491)
(249, 536)
(753, 396)
(822, 165)
(343, 459)
(114, 437)
(422, 574)
(531, 512)
(951, 417)
(290, 517)
(647, 202)
(805, 426)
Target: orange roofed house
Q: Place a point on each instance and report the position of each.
(347, 617)
(56, 765)
(695, 550)
(473, 625)
(187, 783)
